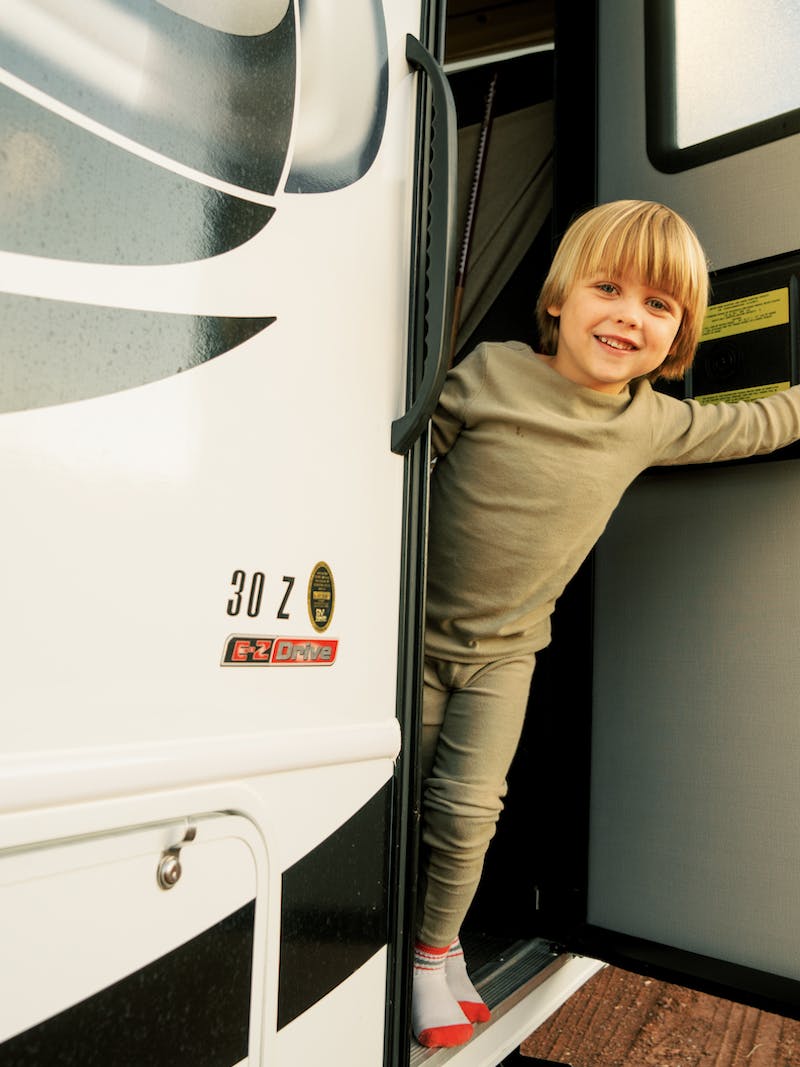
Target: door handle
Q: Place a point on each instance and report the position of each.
(436, 275)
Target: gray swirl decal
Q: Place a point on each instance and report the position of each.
(56, 351)
(221, 103)
(68, 194)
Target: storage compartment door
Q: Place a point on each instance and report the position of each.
(104, 965)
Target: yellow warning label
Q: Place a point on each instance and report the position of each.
(754, 312)
(753, 392)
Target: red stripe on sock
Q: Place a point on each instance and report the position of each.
(446, 1036)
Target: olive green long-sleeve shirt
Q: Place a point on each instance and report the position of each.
(531, 466)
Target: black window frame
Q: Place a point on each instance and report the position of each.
(661, 95)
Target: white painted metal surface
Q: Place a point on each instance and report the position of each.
(146, 527)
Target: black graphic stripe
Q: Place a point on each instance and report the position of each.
(69, 194)
(221, 103)
(190, 1007)
(334, 913)
(55, 351)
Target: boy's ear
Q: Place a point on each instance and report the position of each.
(554, 310)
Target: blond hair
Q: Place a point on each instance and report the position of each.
(640, 238)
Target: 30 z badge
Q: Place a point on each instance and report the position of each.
(249, 651)
(253, 591)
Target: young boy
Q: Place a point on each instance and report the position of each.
(534, 452)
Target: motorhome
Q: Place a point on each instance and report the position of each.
(239, 246)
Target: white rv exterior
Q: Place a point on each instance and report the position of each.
(200, 570)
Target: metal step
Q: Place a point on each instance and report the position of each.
(512, 974)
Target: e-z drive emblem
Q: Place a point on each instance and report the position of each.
(247, 650)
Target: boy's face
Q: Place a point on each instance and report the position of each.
(613, 329)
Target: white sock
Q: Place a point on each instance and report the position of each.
(461, 986)
(436, 1018)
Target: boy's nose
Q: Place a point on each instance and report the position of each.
(628, 314)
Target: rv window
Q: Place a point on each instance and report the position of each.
(722, 77)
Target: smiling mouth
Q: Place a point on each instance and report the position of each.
(616, 342)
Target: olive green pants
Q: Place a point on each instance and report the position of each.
(472, 716)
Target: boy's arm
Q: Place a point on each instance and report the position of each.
(460, 386)
(444, 431)
(689, 432)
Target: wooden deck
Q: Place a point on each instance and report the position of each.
(624, 1020)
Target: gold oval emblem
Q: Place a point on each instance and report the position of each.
(320, 597)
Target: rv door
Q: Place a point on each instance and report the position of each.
(694, 850)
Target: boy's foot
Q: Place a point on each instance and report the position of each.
(461, 986)
(437, 1019)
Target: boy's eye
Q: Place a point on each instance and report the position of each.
(659, 304)
(606, 287)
